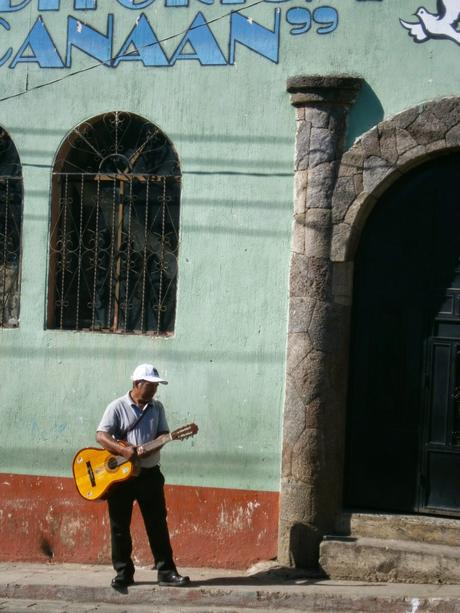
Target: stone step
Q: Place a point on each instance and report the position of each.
(428, 529)
(389, 560)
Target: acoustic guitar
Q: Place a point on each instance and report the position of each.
(96, 470)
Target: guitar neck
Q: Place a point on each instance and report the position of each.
(157, 443)
(179, 434)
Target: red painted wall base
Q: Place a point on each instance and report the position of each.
(45, 518)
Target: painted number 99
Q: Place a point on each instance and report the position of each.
(325, 16)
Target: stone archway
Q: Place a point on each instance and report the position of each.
(334, 194)
(382, 155)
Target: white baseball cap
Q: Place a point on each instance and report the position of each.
(147, 372)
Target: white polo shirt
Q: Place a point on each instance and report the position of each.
(122, 412)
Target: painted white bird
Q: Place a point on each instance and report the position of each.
(440, 25)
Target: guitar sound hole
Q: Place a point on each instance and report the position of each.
(112, 463)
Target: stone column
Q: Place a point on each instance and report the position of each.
(317, 350)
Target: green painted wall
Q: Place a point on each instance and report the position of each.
(234, 129)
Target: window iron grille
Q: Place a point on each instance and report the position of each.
(11, 196)
(115, 226)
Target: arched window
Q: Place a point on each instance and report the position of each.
(11, 195)
(114, 228)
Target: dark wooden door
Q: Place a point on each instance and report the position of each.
(403, 443)
(440, 469)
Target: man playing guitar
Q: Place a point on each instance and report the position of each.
(137, 418)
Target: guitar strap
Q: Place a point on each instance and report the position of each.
(134, 424)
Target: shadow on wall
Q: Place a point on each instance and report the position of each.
(364, 114)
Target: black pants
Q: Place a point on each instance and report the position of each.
(147, 489)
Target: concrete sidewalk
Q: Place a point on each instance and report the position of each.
(260, 589)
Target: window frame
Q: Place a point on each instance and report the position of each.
(161, 183)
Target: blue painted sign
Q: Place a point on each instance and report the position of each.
(142, 43)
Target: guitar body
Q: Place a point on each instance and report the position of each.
(96, 470)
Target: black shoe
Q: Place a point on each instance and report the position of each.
(120, 584)
(172, 579)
